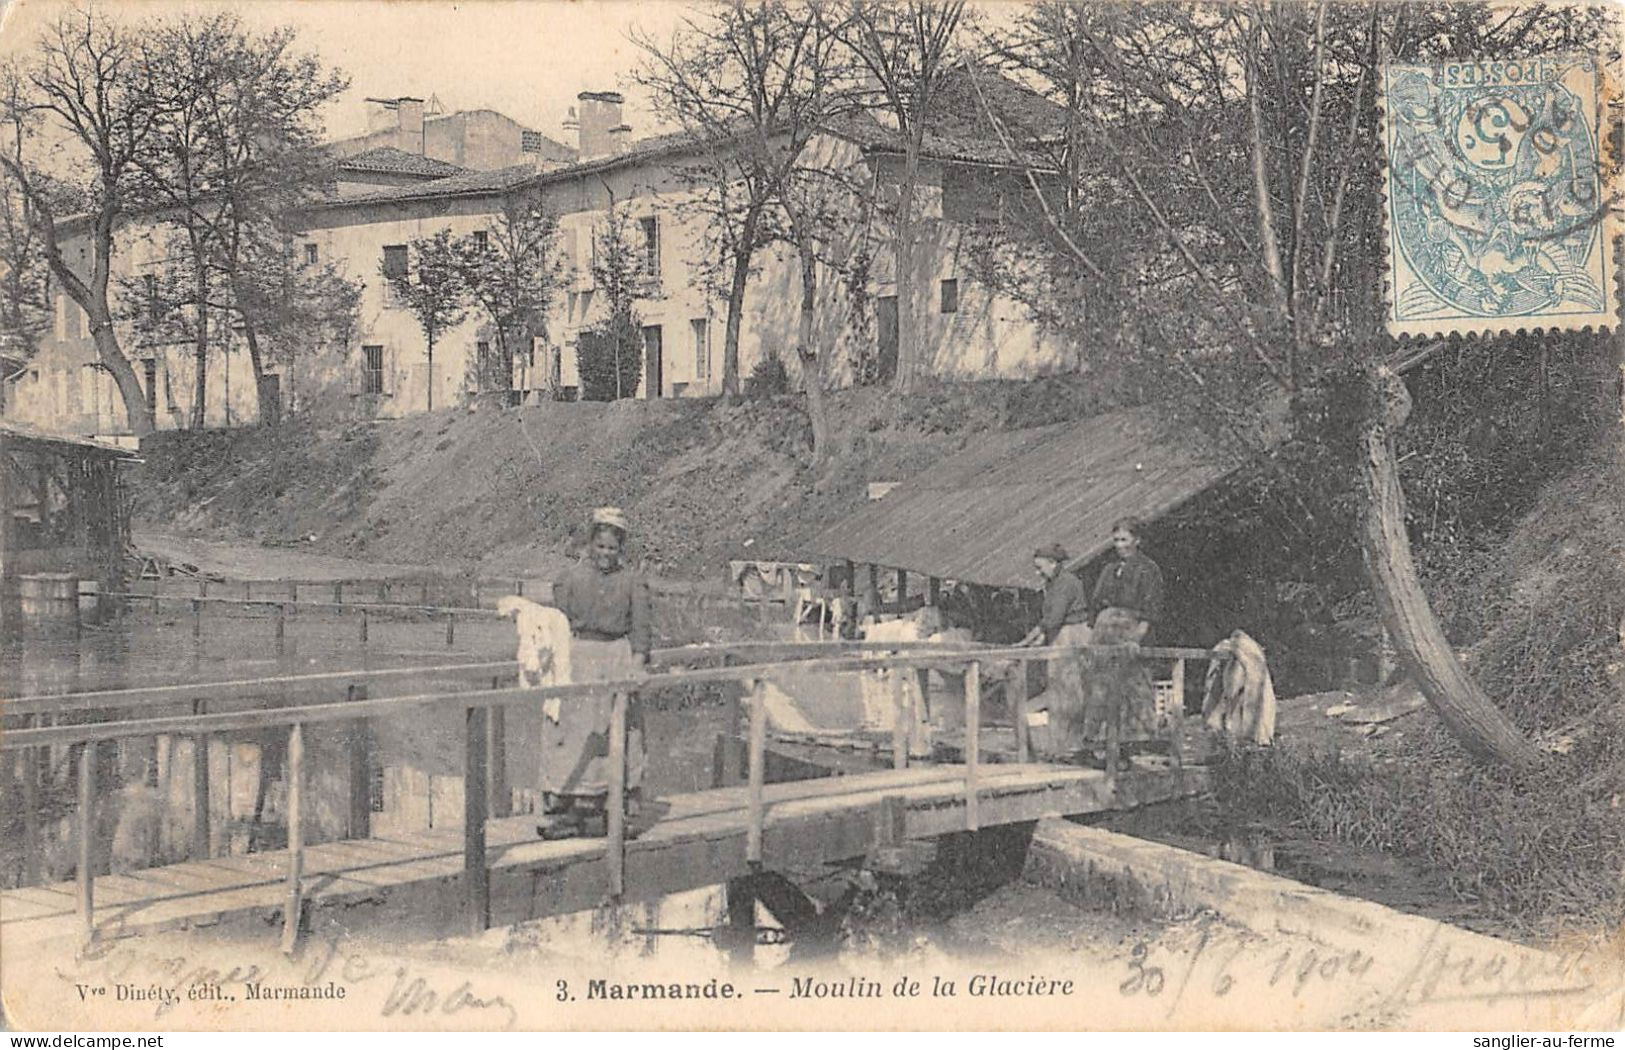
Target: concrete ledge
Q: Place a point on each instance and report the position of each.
(1421, 959)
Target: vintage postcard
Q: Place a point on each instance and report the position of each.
(569, 515)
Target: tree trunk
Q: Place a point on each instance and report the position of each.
(200, 387)
(1423, 649)
(129, 387)
(807, 353)
(429, 386)
(907, 336)
(736, 303)
(266, 412)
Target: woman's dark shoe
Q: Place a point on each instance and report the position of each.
(564, 826)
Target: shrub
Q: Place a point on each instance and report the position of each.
(768, 379)
(614, 345)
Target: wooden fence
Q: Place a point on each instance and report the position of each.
(481, 707)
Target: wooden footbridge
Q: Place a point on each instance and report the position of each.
(493, 869)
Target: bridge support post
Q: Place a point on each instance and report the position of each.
(201, 848)
(291, 911)
(85, 880)
(739, 897)
(451, 629)
(1016, 689)
(1176, 717)
(360, 822)
(758, 748)
(476, 875)
(282, 629)
(615, 804)
(973, 743)
(31, 840)
(363, 625)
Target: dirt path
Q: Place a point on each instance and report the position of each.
(241, 560)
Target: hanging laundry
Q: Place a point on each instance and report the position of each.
(1239, 698)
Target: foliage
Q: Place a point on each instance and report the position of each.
(431, 287)
(25, 307)
(609, 355)
(768, 379)
(511, 275)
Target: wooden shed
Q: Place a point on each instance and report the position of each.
(63, 510)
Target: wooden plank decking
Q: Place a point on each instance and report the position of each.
(688, 841)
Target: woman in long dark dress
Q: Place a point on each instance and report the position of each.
(611, 630)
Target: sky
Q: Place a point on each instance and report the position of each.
(525, 58)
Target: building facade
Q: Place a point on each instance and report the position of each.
(965, 330)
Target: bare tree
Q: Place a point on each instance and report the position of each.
(510, 273)
(751, 84)
(431, 287)
(82, 90)
(233, 158)
(908, 50)
(1233, 228)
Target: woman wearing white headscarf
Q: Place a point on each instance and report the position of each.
(611, 629)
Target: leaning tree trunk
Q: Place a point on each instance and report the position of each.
(267, 411)
(1421, 644)
(129, 387)
(908, 345)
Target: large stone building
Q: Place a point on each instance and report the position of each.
(389, 194)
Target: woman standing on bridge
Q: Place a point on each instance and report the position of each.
(611, 629)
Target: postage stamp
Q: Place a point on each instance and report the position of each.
(1497, 208)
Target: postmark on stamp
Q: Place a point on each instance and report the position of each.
(1497, 209)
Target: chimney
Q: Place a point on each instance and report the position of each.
(620, 136)
(410, 111)
(600, 113)
(571, 125)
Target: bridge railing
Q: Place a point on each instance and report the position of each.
(482, 707)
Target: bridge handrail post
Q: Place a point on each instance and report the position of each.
(900, 719)
(282, 629)
(363, 625)
(476, 872)
(1016, 689)
(498, 800)
(451, 629)
(756, 806)
(359, 762)
(85, 879)
(973, 742)
(200, 788)
(296, 837)
(615, 804)
(1176, 716)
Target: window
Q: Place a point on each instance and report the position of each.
(482, 240)
(395, 260)
(651, 244)
(149, 373)
(950, 296)
(310, 254)
(372, 370)
(699, 337)
(155, 310)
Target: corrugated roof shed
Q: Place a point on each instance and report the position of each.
(977, 516)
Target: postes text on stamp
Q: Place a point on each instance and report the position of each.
(1496, 208)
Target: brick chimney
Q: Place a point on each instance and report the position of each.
(410, 138)
(620, 136)
(599, 114)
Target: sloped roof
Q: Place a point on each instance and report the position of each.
(978, 516)
(392, 161)
(14, 431)
(468, 184)
(962, 132)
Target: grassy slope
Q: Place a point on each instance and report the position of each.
(507, 489)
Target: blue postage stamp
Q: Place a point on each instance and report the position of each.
(1497, 211)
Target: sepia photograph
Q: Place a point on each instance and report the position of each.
(804, 515)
